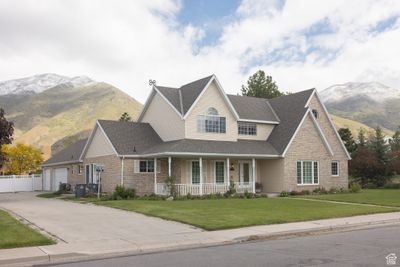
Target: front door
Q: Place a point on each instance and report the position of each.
(244, 172)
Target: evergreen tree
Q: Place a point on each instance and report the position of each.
(395, 142)
(347, 137)
(362, 140)
(125, 117)
(379, 145)
(260, 85)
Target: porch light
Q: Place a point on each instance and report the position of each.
(232, 167)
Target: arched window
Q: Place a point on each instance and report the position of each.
(315, 113)
(212, 111)
(211, 122)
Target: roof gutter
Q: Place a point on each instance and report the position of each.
(266, 156)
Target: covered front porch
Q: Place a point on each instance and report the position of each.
(206, 175)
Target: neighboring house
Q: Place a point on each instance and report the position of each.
(64, 167)
(208, 140)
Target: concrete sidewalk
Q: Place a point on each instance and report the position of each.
(120, 246)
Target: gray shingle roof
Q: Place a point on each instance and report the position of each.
(130, 138)
(191, 91)
(290, 110)
(183, 98)
(253, 108)
(70, 154)
(241, 147)
(172, 94)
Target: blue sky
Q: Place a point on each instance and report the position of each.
(208, 14)
(301, 43)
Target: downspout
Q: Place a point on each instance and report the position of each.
(122, 170)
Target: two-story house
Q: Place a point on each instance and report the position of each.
(208, 140)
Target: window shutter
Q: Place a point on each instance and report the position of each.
(136, 166)
(158, 166)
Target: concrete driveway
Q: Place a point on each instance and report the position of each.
(93, 228)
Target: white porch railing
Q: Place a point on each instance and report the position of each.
(19, 183)
(207, 188)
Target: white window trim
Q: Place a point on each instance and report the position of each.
(147, 166)
(312, 173)
(247, 123)
(250, 170)
(191, 171)
(338, 168)
(215, 171)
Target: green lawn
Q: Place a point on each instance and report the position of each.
(14, 234)
(384, 197)
(232, 213)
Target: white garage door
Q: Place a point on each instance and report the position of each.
(60, 176)
(46, 180)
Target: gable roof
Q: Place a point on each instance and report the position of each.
(291, 110)
(130, 138)
(191, 91)
(253, 108)
(69, 155)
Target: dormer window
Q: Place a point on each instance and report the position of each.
(315, 113)
(211, 122)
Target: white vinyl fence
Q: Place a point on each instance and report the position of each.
(20, 183)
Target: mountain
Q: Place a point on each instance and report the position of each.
(355, 126)
(372, 104)
(40, 83)
(44, 116)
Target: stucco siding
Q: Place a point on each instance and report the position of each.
(271, 173)
(263, 132)
(308, 145)
(211, 98)
(99, 146)
(164, 120)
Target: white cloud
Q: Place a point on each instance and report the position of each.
(127, 42)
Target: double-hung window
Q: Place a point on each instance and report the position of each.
(307, 172)
(146, 166)
(335, 168)
(247, 128)
(211, 122)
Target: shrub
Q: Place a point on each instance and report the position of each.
(231, 191)
(355, 188)
(284, 194)
(248, 195)
(333, 190)
(121, 192)
(305, 192)
(392, 186)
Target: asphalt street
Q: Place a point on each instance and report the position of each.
(367, 247)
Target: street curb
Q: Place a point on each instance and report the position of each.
(75, 257)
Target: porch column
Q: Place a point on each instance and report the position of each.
(169, 167)
(254, 174)
(227, 172)
(155, 175)
(201, 175)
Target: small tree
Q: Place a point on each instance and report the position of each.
(362, 139)
(347, 137)
(125, 117)
(6, 132)
(260, 85)
(22, 159)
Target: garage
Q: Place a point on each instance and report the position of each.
(60, 176)
(47, 179)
